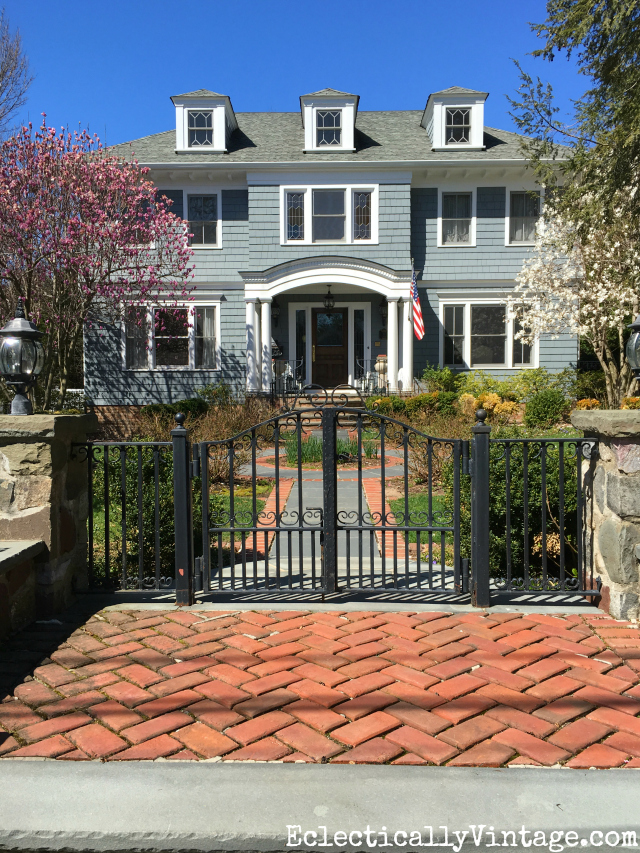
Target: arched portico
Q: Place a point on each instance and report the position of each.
(306, 280)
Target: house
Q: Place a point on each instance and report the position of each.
(306, 227)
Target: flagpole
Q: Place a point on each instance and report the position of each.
(411, 290)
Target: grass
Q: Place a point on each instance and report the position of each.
(419, 513)
(311, 450)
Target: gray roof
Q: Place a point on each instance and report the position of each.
(459, 90)
(200, 93)
(330, 92)
(279, 137)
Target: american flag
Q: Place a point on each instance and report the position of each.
(418, 323)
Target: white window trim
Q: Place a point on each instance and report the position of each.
(350, 189)
(472, 116)
(204, 190)
(509, 365)
(151, 349)
(308, 308)
(507, 218)
(472, 235)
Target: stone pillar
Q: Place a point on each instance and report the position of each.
(407, 347)
(265, 329)
(392, 343)
(44, 497)
(612, 488)
(252, 363)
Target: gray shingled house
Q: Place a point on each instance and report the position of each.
(305, 226)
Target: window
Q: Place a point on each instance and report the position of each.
(362, 216)
(524, 211)
(328, 127)
(205, 338)
(203, 219)
(454, 335)
(200, 128)
(481, 335)
(136, 338)
(171, 337)
(456, 219)
(458, 126)
(295, 216)
(328, 216)
(521, 351)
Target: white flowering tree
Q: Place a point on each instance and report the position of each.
(583, 277)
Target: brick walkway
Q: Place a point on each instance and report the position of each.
(465, 689)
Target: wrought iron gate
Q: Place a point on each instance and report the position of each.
(330, 498)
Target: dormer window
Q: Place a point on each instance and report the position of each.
(328, 127)
(200, 128)
(458, 129)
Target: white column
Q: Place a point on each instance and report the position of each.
(407, 347)
(265, 331)
(252, 365)
(392, 343)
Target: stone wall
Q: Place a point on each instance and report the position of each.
(613, 508)
(43, 496)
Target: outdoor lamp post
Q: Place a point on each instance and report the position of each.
(633, 348)
(21, 358)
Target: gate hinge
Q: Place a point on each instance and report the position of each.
(194, 468)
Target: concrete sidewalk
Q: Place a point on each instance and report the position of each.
(215, 807)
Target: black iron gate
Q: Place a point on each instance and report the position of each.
(329, 498)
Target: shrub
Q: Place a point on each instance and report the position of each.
(421, 403)
(442, 379)
(546, 409)
(488, 402)
(194, 407)
(630, 403)
(387, 405)
(468, 405)
(591, 384)
(216, 395)
(588, 403)
(506, 411)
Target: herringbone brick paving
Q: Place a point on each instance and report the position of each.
(464, 689)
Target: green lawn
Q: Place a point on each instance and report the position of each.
(419, 503)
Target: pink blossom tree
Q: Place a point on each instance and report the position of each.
(83, 237)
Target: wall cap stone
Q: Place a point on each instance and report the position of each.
(18, 551)
(47, 426)
(609, 423)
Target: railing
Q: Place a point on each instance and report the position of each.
(371, 376)
(288, 376)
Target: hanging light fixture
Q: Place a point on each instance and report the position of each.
(384, 309)
(329, 300)
(275, 311)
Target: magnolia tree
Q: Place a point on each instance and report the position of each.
(82, 238)
(584, 278)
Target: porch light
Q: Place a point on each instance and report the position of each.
(21, 358)
(384, 309)
(633, 347)
(329, 300)
(275, 311)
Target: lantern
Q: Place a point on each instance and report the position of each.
(21, 358)
(329, 300)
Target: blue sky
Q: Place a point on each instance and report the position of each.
(112, 66)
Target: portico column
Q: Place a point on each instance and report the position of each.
(252, 365)
(392, 342)
(407, 347)
(265, 330)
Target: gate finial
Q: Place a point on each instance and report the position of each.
(180, 419)
(481, 417)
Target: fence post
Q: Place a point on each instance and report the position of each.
(330, 502)
(182, 513)
(480, 496)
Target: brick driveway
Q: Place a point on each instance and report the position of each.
(464, 689)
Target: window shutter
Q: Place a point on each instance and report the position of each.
(177, 208)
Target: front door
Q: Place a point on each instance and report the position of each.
(329, 347)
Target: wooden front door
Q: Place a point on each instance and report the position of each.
(329, 347)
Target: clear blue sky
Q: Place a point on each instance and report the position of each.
(113, 65)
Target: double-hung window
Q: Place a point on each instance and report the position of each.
(329, 215)
(458, 126)
(481, 335)
(524, 210)
(172, 338)
(203, 220)
(200, 128)
(328, 127)
(456, 219)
